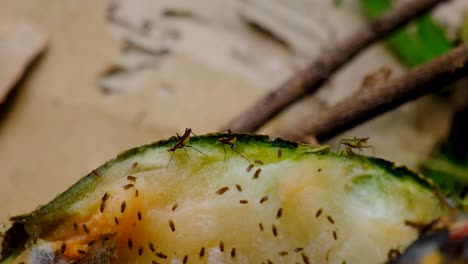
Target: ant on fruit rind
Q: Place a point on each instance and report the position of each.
(182, 142)
(355, 143)
(230, 139)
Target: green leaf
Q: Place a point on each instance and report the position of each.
(413, 44)
(449, 167)
(432, 36)
(407, 48)
(450, 176)
(374, 8)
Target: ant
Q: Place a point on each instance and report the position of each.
(358, 143)
(230, 140)
(182, 143)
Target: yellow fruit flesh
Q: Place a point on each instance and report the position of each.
(211, 210)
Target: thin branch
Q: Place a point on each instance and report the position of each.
(317, 73)
(388, 95)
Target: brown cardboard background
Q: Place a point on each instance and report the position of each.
(58, 126)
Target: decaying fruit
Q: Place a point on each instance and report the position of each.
(291, 203)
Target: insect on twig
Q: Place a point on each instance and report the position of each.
(355, 143)
(182, 143)
(230, 140)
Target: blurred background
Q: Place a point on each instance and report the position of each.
(81, 81)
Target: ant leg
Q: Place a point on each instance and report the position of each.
(225, 131)
(186, 153)
(349, 150)
(196, 150)
(224, 149)
(232, 147)
(367, 147)
(170, 160)
(217, 143)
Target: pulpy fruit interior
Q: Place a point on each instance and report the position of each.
(263, 201)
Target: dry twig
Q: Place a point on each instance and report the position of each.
(317, 73)
(388, 95)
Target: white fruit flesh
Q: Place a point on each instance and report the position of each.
(299, 207)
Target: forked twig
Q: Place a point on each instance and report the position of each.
(320, 71)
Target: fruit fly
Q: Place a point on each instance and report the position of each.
(229, 140)
(355, 143)
(182, 143)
